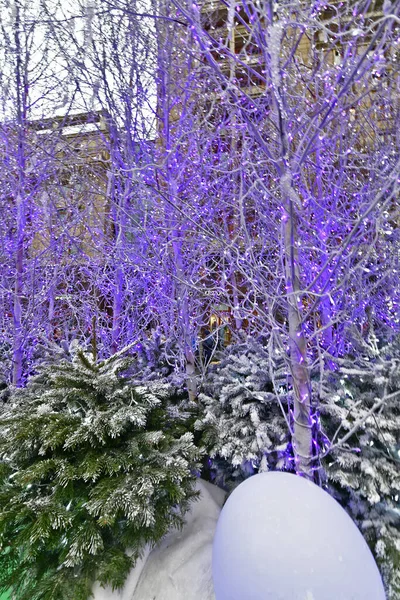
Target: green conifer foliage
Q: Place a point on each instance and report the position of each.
(363, 472)
(246, 413)
(93, 469)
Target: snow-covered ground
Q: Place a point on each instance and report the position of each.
(179, 567)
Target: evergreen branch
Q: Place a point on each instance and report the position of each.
(361, 422)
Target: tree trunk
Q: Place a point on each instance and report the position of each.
(117, 308)
(17, 308)
(21, 89)
(302, 426)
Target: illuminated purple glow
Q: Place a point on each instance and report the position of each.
(264, 206)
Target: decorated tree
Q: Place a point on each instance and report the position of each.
(49, 199)
(150, 273)
(304, 87)
(93, 469)
(111, 57)
(22, 60)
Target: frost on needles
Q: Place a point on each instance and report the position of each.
(245, 409)
(93, 468)
(360, 410)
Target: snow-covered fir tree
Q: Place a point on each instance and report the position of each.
(157, 358)
(361, 413)
(246, 423)
(93, 469)
(246, 428)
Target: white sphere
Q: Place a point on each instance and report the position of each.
(281, 537)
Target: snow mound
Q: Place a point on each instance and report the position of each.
(179, 567)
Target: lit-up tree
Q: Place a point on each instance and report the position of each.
(29, 85)
(156, 250)
(311, 91)
(110, 57)
(53, 203)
